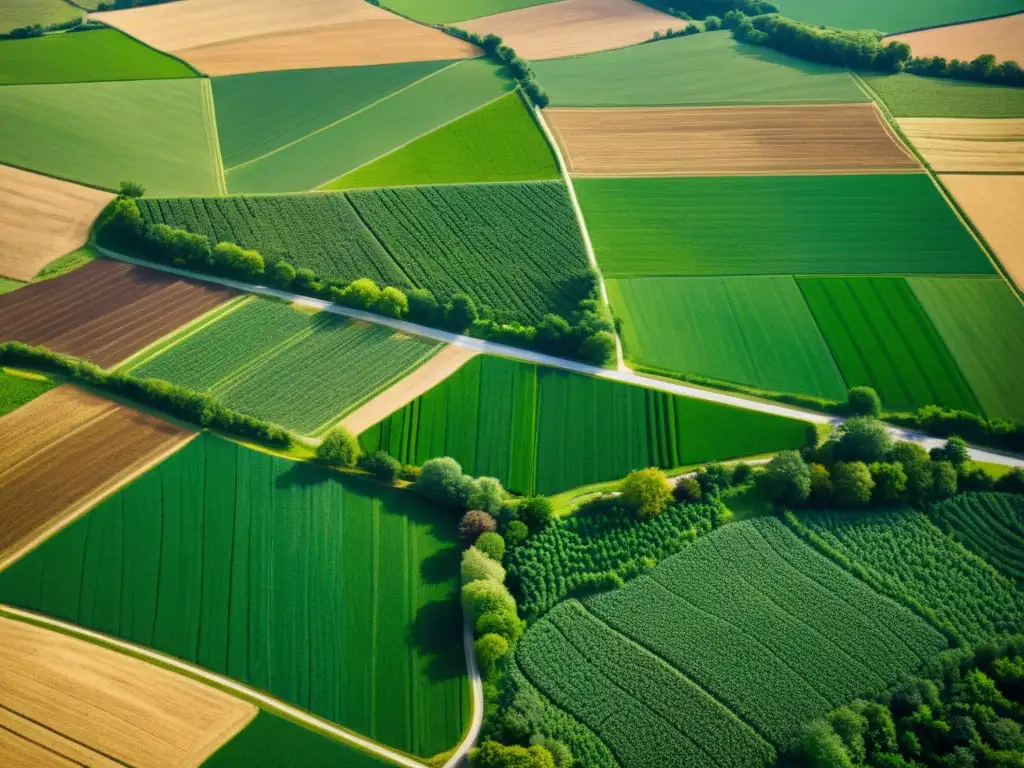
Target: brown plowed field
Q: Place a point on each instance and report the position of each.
(965, 145)
(574, 27)
(68, 702)
(1003, 38)
(63, 452)
(106, 311)
(41, 219)
(992, 203)
(728, 141)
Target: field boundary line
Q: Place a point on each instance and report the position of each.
(954, 23)
(212, 134)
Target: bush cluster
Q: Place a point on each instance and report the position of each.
(943, 422)
(496, 50)
(38, 30)
(707, 9)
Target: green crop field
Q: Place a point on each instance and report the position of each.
(498, 142)
(7, 285)
(892, 17)
(305, 100)
(881, 337)
(513, 247)
(447, 11)
(982, 323)
(907, 557)
(541, 429)
(751, 330)
(722, 650)
(362, 136)
(294, 368)
(286, 577)
(718, 70)
(896, 224)
(102, 54)
(912, 96)
(16, 390)
(22, 13)
(159, 133)
(989, 524)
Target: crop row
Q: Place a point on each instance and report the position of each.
(990, 525)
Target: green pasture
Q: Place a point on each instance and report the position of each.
(756, 331)
(7, 285)
(893, 224)
(448, 11)
(97, 55)
(705, 69)
(23, 13)
(16, 389)
(912, 96)
(498, 142)
(336, 596)
(159, 133)
(362, 136)
(982, 323)
(888, 16)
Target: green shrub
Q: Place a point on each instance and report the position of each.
(786, 480)
(474, 524)
(383, 466)
(391, 303)
(484, 596)
(476, 565)
(504, 623)
(516, 533)
(687, 490)
(442, 479)
(890, 482)
(490, 650)
(647, 492)
(851, 484)
(339, 448)
(492, 545)
(863, 401)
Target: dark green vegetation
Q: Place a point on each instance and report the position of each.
(515, 248)
(912, 96)
(23, 13)
(718, 70)
(541, 429)
(16, 390)
(336, 596)
(498, 142)
(895, 224)
(894, 17)
(102, 54)
(881, 337)
(989, 524)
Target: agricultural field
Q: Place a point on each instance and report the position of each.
(982, 323)
(989, 201)
(498, 142)
(991, 525)
(65, 701)
(895, 17)
(448, 11)
(728, 141)
(22, 13)
(104, 311)
(904, 555)
(259, 359)
(723, 651)
(912, 96)
(966, 145)
(42, 219)
(720, 71)
(881, 337)
(18, 388)
(789, 225)
(756, 331)
(7, 285)
(98, 55)
(544, 430)
(1002, 37)
(364, 135)
(197, 558)
(160, 133)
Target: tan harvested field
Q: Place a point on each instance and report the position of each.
(1003, 38)
(993, 204)
(574, 27)
(64, 452)
(729, 141)
(68, 702)
(966, 145)
(105, 311)
(41, 219)
(223, 37)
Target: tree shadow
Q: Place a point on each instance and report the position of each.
(440, 566)
(436, 632)
(300, 475)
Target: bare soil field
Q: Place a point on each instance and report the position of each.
(1003, 38)
(730, 141)
(65, 451)
(574, 27)
(992, 203)
(966, 145)
(105, 311)
(65, 701)
(41, 219)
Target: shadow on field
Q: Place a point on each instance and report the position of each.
(301, 475)
(437, 633)
(440, 566)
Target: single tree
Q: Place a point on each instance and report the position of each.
(383, 466)
(391, 303)
(284, 274)
(851, 484)
(360, 294)
(862, 439)
(474, 524)
(483, 596)
(687, 490)
(338, 448)
(487, 494)
(460, 313)
(954, 451)
(442, 479)
(490, 650)
(492, 545)
(786, 480)
(863, 401)
(647, 492)
(476, 565)
(890, 482)
(131, 189)
(504, 623)
(516, 533)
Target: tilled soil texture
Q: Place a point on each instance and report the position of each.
(574, 27)
(68, 702)
(106, 311)
(964, 145)
(992, 203)
(63, 452)
(728, 141)
(41, 219)
(1003, 38)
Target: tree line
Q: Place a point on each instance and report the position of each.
(504, 55)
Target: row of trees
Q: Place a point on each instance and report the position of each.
(496, 50)
(38, 30)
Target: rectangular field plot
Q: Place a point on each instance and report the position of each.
(1000, 37)
(992, 204)
(297, 369)
(728, 141)
(16, 389)
(912, 96)
(278, 574)
(750, 330)
(718, 70)
(448, 11)
(963, 145)
(22, 13)
(882, 338)
(538, 429)
(895, 17)
(104, 311)
(991, 525)
(894, 224)
(722, 651)
(982, 323)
